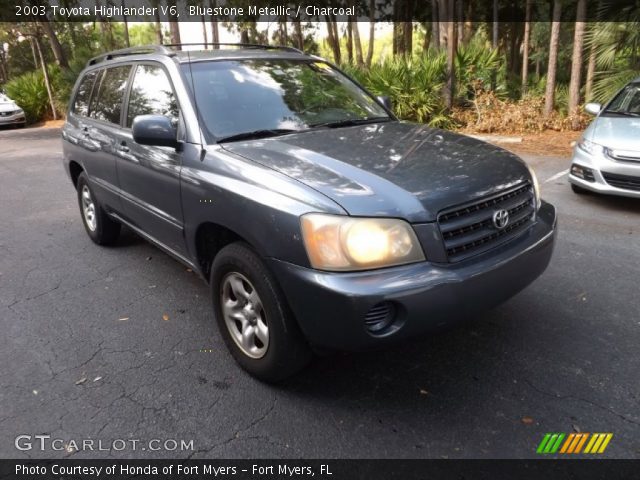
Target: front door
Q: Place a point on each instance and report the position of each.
(150, 176)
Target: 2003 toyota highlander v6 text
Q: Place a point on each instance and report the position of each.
(319, 220)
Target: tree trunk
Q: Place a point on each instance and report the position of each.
(356, 41)
(203, 19)
(443, 13)
(350, 41)
(525, 46)
(427, 38)
(126, 28)
(215, 33)
(451, 54)
(494, 42)
(460, 19)
(372, 31)
(576, 62)
(334, 38)
(3, 66)
(158, 28)
(33, 52)
(435, 25)
(591, 70)
(174, 31)
(549, 93)
(407, 33)
(58, 53)
(47, 82)
(299, 36)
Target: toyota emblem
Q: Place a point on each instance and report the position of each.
(500, 219)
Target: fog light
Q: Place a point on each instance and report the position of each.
(582, 172)
(379, 317)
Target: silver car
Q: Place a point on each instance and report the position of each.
(10, 113)
(607, 157)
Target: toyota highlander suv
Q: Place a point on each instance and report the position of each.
(319, 221)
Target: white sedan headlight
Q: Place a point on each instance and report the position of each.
(340, 243)
(589, 147)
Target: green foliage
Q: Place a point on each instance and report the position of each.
(415, 84)
(30, 93)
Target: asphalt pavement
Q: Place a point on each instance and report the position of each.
(118, 345)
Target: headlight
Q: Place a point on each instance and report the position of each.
(536, 188)
(589, 147)
(340, 243)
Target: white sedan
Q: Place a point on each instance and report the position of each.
(607, 157)
(10, 113)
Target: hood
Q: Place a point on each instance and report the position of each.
(619, 133)
(8, 106)
(389, 169)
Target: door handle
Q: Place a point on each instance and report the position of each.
(123, 148)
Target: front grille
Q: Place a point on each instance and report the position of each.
(625, 182)
(469, 230)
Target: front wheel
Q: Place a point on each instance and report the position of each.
(253, 316)
(99, 226)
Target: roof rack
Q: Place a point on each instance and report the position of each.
(161, 49)
(166, 49)
(239, 45)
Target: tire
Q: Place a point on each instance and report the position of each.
(285, 352)
(102, 229)
(579, 190)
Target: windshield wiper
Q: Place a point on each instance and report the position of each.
(256, 134)
(351, 122)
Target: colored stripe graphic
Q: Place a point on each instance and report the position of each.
(567, 442)
(605, 443)
(543, 443)
(550, 443)
(573, 443)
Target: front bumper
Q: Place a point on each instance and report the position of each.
(331, 307)
(13, 119)
(599, 164)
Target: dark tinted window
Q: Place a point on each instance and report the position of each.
(81, 103)
(627, 101)
(151, 94)
(112, 87)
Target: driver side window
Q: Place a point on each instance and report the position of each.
(152, 94)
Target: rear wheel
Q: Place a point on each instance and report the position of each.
(578, 190)
(99, 226)
(253, 316)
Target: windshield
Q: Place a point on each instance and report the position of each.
(627, 101)
(242, 96)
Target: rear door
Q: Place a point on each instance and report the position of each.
(100, 132)
(149, 175)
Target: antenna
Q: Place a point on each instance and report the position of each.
(195, 103)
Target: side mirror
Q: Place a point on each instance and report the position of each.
(593, 108)
(386, 101)
(154, 130)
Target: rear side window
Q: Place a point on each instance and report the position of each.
(83, 95)
(151, 94)
(110, 94)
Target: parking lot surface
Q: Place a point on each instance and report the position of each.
(120, 344)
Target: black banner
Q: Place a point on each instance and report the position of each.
(309, 11)
(320, 469)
